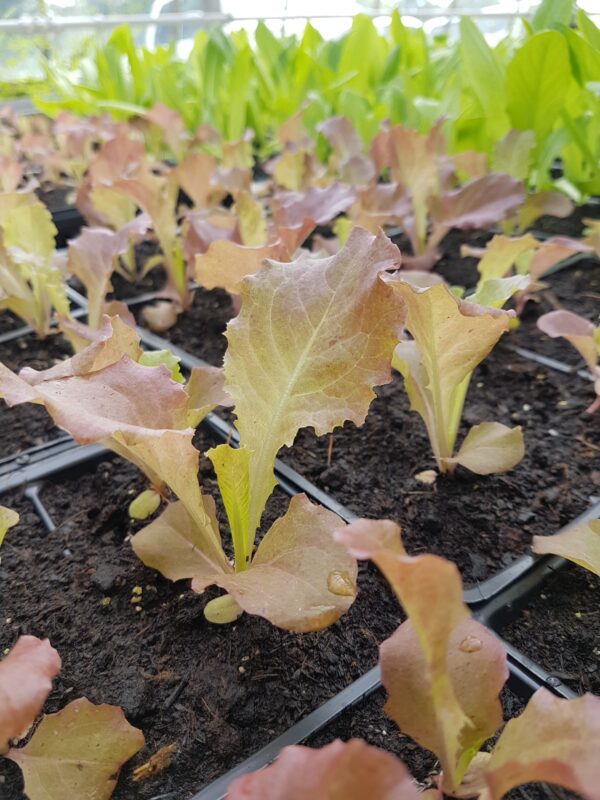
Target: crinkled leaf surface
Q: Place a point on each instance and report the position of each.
(312, 339)
(580, 544)
(553, 740)
(301, 578)
(25, 681)
(77, 752)
(101, 348)
(123, 396)
(339, 771)
(443, 670)
(452, 336)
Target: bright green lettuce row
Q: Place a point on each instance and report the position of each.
(542, 77)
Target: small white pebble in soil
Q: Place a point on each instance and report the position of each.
(6, 651)
(578, 614)
(428, 476)
(131, 491)
(105, 602)
(480, 384)
(526, 407)
(8, 620)
(138, 609)
(544, 596)
(553, 432)
(241, 670)
(245, 658)
(67, 553)
(562, 403)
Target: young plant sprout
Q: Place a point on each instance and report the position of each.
(584, 337)
(435, 202)
(443, 672)
(450, 337)
(31, 276)
(313, 338)
(77, 752)
(580, 544)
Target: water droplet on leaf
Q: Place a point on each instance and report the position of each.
(470, 644)
(339, 582)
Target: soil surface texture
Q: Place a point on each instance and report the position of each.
(558, 628)
(218, 692)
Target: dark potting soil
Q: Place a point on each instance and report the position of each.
(10, 322)
(558, 628)
(480, 522)
(28, 425)
(368, 721)
(199, 331)
(577, 289)
(153, 281)
(569, 226)
(218, 692)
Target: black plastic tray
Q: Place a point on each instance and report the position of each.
(492, 601)
(50, 460)
(69, 221)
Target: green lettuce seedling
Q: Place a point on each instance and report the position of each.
(31, 278)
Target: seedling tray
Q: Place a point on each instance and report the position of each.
(493, 601)
(69, 222)
(58, 460)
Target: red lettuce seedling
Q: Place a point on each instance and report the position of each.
(76, 752)
(93, 257)
(450, 337)
(313, 338)
(580, 544)
(339, 771)
(504, 255)
(443, 672)
(584, 337)
(422, 167)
